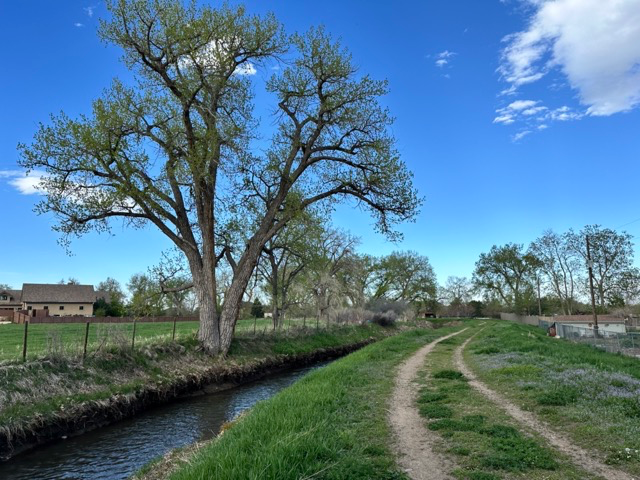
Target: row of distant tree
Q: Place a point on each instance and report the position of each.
(550, 276)
(307, 269)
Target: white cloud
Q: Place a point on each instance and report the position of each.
(522, 104)
(533, 111)
(209, 55)
(246, 69)
(444, 58)
(533, 116)
(594, 43)
(25, 184)
(521, 135)
(505, 119)
(78, 24)
(89, 10)
(10, 173)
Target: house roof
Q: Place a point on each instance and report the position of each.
(14, 296)
(43, 292)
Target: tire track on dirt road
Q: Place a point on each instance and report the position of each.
(580, 457)
(413, 441)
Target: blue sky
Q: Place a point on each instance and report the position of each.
(515, 116)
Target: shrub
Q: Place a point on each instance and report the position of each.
(350, 315)
(386, 319)
(403, 310)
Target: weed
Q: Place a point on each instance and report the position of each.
(517, 454)
(477, 475)
(487, 351)
(449, 375)
(558, 397)
(428, 396)
(435, 410)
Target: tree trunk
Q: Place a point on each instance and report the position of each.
(209, 332)
(234, 294)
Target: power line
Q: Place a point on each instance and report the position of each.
(629, 223)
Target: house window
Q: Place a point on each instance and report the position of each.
(29, 307)
(46, 307)
(61, 307)
(4, 297)
(81, 307)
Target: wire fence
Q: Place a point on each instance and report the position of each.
(627, 343)
(21, 342)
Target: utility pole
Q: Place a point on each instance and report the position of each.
(539, 304)
(593, 296)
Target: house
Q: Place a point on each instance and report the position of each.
(10, 299)
(57, 300)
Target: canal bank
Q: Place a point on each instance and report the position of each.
(64, 398)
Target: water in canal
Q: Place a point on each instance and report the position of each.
(116, 451)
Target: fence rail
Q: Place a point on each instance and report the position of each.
(32, 340)
(20, 317)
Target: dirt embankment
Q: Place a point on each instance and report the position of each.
(78, 419)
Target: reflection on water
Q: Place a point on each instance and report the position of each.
(117, 451)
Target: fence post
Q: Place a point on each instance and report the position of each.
(133, 338)
(173, 335)
(24, 342)
(86, 340)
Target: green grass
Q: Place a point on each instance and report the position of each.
(482, 440)
(587, 394)
(68, 338)
(330, 425)
(47, 388)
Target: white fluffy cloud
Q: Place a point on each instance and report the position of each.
(26, 185)
(594, 43)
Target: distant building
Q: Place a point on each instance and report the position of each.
(10, 300)
(54, 300)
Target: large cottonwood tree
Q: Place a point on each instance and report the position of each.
(175, 148)
(507, 271)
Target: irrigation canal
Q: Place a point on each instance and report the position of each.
(116, 451)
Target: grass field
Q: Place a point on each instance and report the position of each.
(331, 424)
(589, 395)
(68, 339)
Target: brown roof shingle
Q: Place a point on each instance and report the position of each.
(44, 292)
